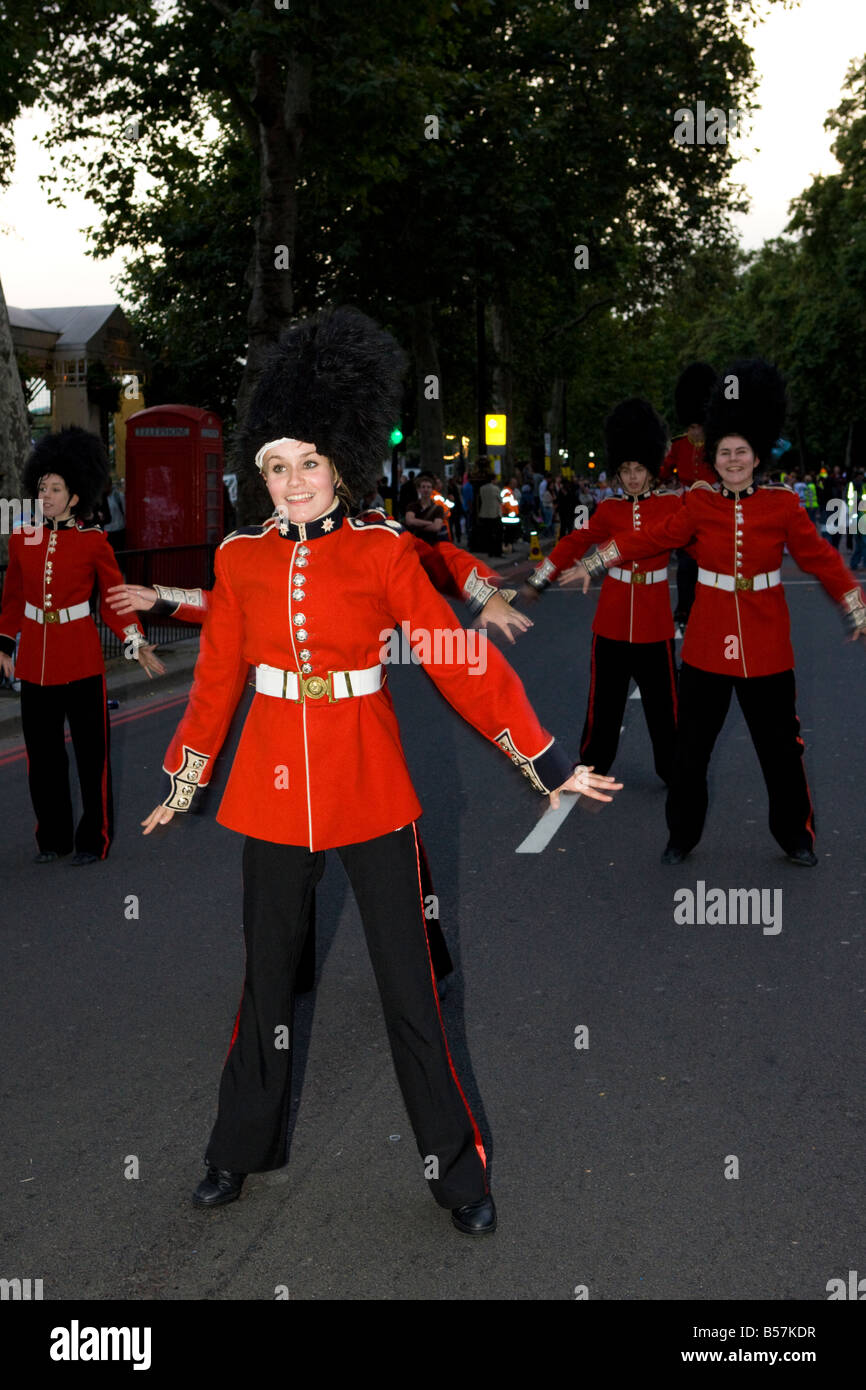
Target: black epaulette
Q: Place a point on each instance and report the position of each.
(375, 519)
(775, 487)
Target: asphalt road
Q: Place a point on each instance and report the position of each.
(706, 1043)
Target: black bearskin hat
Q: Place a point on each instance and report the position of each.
(749, 400)
(334, 381)
(633, 431)
(692, 393)
(79, 458)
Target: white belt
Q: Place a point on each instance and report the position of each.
(57, 615)
(638, 576)
(731, 582)
(337, 685)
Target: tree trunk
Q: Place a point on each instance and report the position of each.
(14, 422)
(503, 376)
(481, 387)
(280, 101)
(431, 430)
(555, 420)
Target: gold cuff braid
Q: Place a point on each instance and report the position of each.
(601, 559)
(855, 609)
(184, 782)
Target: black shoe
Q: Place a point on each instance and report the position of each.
(672, 855)
(804, 857)
(219, 1187)
(83, 858)
(46, 856)
(476, 1218)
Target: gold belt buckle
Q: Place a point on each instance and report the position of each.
(50, 615)
(638, 577)
(314, 687)
(743, 583)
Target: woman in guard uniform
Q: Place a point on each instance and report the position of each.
(46, 597)
(452, 571)
(738, 639)
(633, 629)
(304, 599)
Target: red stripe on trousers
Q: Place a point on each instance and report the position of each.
(673, 675)
(478, 1144)
(810, 819)
(591, 702)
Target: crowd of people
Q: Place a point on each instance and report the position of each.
(477, 509)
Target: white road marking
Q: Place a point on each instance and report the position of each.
(547, 827)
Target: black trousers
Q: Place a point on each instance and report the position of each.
(687, 578)
(769, 708)
(490, 535)
(443, 965)
(44, 712)
(255, 1090)
(613, 665)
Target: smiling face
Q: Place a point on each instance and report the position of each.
(634, 478)
(300, 481)
(735, 462)
(57, 502)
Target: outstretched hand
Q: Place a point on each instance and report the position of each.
(587, 783)
(497, 612)
(130, 598)
(149, 662)
(160, 815)
(578, 574)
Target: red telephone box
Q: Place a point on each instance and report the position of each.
(174, 477)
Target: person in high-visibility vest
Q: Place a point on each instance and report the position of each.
(810, 498)
(510, 513)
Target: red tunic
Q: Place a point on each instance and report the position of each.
(742, 631)
(52, 567)
(685, 464)
(451, 570)
(321, 773)
(627, 612)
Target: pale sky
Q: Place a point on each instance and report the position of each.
(802, 56)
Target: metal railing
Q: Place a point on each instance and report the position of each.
(182, 566)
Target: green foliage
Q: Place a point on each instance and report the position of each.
(555, 129)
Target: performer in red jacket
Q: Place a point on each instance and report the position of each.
(46, 598)
(633, 629)
(686, 465)
(452, 571)
(739, 635)
(305, 599)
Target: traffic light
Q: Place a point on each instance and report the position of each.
(396, 437)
